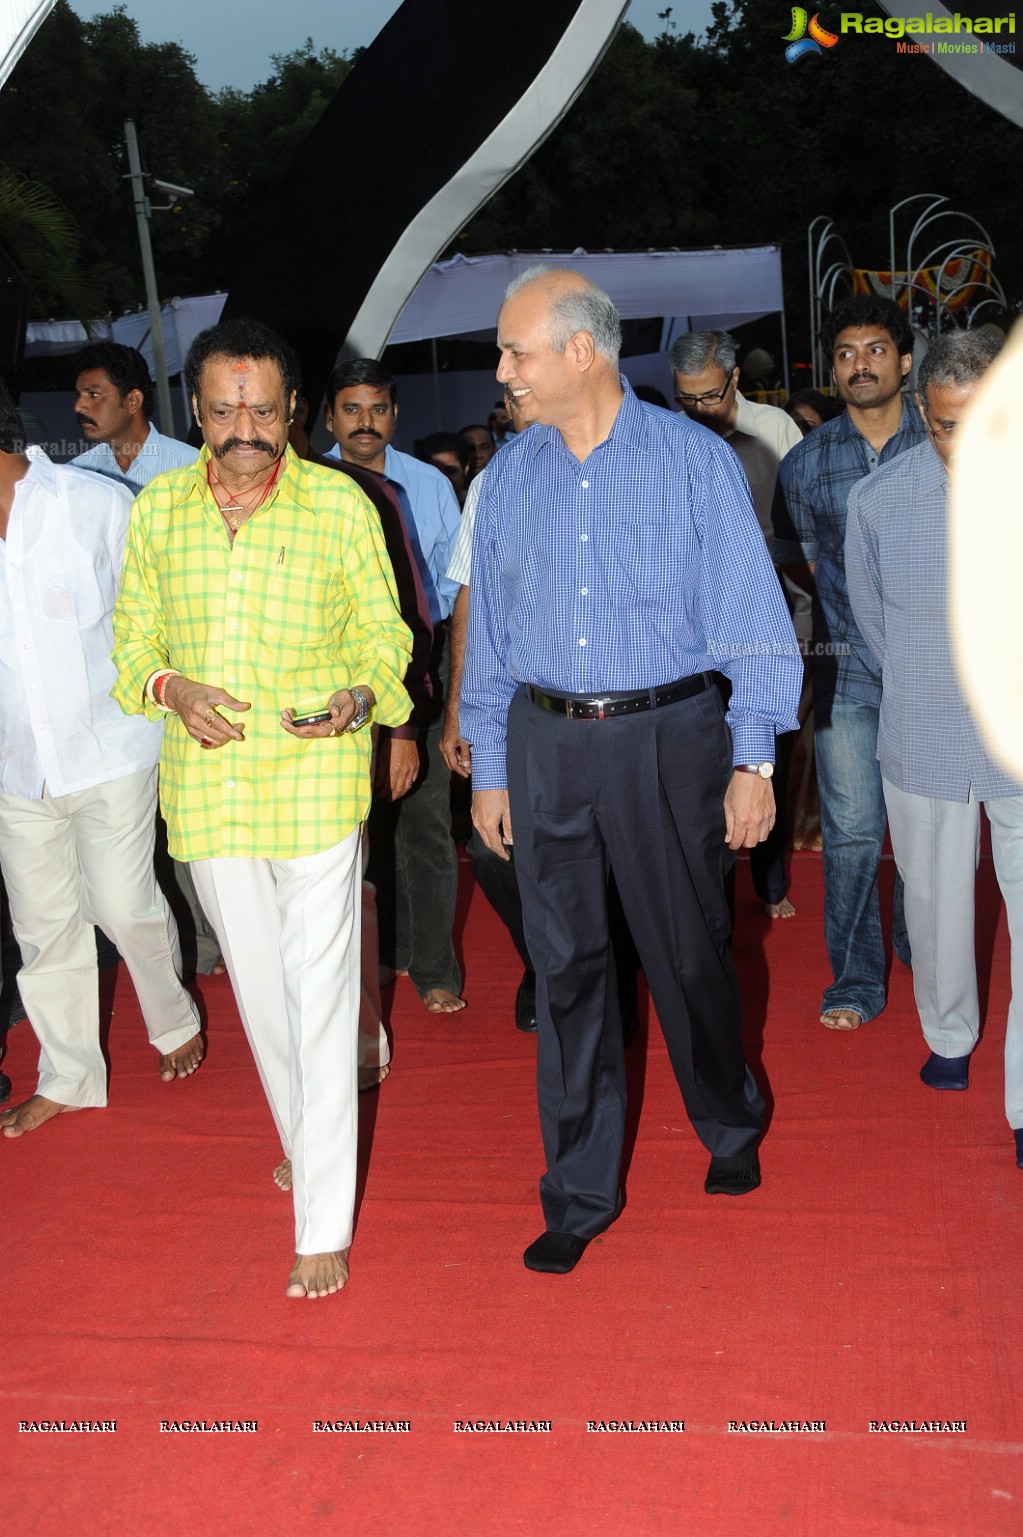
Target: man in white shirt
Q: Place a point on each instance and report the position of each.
(113, 409)
(706, 373)
(77, 784)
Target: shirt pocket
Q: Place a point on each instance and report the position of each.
(295, 602)
(80, 593)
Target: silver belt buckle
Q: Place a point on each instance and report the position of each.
(600, 709)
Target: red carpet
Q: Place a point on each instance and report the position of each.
(873, 1277)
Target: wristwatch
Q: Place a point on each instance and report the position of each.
(363, 707)
(765, 770)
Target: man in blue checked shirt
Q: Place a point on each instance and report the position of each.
(616, 561)
(870, 343)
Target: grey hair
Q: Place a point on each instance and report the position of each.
(958, 357)
(697, 350)
(584, 308)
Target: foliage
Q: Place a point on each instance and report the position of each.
(674, 142)
(43, 240)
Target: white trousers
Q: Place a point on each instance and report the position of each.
(72, 861)
(289, 931)
(937, 850)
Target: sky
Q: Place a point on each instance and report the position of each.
(232, 40)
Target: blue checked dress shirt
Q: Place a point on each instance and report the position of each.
(156, 456)
(815, 479)
(896, 558)
(641, 566)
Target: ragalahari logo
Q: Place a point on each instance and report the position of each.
(801, 44)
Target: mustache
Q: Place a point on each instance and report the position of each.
(365, 432)
(84, 421)
(863, 378)
(229, 443)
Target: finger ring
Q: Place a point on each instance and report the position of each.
(333, 728)
(204, 741)
(210, 717)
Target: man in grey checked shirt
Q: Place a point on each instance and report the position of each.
(935, 770)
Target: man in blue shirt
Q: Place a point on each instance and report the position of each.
(870, 344)
(113, 408)
(616, 560)
(935, 769)
(411, 852)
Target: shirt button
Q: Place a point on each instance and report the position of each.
(234, 624)
(585, 485)
(585, 591)
(583, 641)
(230, 784)
(232, 679)
(584, 537)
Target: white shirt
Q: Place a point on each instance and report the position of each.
(460, 564)
(59, 571)
(762, 436)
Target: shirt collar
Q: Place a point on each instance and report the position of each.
(845, 430)
(290, 480)
(744, 418)
(41, 468)
(628, 426)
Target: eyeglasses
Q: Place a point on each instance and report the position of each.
(709, 398)
(942, 430)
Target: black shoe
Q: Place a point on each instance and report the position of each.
(733, 1176)
(555, 1253)
(5, 1088)
(946, 1072)
(525, 1002)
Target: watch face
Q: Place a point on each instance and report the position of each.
(766, 770)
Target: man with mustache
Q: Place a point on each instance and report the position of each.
(256, 591)
(870, 343)
(411, 853)
(113, 407)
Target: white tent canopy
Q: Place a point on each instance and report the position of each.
(723, 286)
(19, 23)
(183, 319)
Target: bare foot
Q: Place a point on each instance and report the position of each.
(318, 1275)
(370, 1077)
(282, 1174)
(782, 909)
(440, 1000)
(30, 1114)
(178, 1064)
(218, 969)
(841, 1019)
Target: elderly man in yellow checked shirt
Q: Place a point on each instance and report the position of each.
(257, 608)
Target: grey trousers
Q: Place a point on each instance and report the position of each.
(937, 850)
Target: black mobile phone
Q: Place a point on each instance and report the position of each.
(313, 718)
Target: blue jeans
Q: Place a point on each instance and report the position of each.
(853, 820)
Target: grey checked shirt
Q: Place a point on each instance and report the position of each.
(896, 567)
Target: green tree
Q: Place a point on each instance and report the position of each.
(43, 241)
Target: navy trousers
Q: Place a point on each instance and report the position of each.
(640, 796)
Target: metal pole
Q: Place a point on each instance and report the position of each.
(138, 188)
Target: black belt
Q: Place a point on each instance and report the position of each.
(605, 706)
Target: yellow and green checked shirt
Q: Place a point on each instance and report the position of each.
(302, 604)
